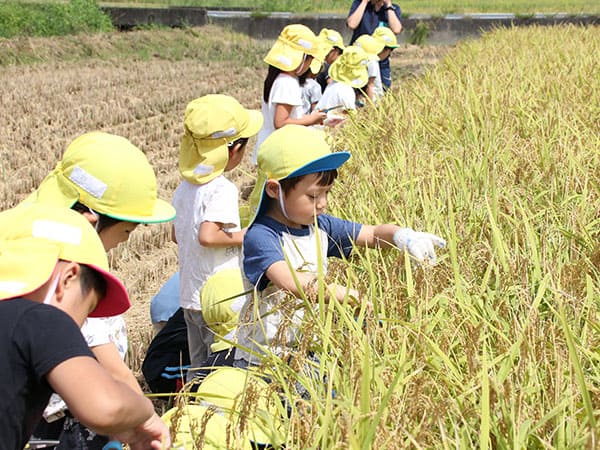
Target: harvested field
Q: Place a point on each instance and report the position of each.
(47, 104)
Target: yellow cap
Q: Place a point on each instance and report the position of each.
(370, 45)
(293, 43)
(234, 391)
(323, 49)
(351, 67)
(385, 35)
(108, 174)
(211, 122)
(292, 151)
(60, 233)
(221, 299)
(188, 422)
(332, 37)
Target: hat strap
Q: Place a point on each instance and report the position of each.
(281, 204)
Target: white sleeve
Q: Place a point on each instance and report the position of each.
(286, 90)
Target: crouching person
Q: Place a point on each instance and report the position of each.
(54, 274)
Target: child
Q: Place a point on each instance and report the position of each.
(336, 43)
(388, 39)
(311, 92)
(288, 60)
(296, 173)
(207, 226)
(54, 273)
(372, 47)
(349, 75)
(367, 15)
(111, 183)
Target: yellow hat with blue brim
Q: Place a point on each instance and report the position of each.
(387, 36)
(60, 234)
(108, 174)
(193, 425)
(210, 123)
(294, 42)
(247, 398)
(332, 37)
(292, 151)
(351, 67)
(221, 299)
(370, 45)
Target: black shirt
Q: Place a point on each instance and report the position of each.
(34, 338)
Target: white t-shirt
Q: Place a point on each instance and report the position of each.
(216, 201)
(104, 330)
(311, 93)
(374, 72)
(286, 90)
(338, 94)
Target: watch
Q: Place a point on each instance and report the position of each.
(387, 8)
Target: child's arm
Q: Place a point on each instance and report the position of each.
(282, 116)
(109, 357)
(418, 244)
(212, 234)
(104, 404)
(279, 274)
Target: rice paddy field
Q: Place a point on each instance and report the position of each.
(493, 144)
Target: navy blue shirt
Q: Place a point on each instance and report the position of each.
(371, 19)
(34, 339)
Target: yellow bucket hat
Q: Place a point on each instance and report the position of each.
(323, 49)
(332, 37)
(211, 122)
(189, 422)
(292, 151)
(370, 45)
(228, 387)
(293, 43)
(32, 240)
(221, 300)
(351, 67)
(108, 174)
(387, 36)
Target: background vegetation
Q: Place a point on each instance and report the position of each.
(436, 7)
(58, 18)
(496, 149)
(51, 19)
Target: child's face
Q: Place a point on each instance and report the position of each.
(332, 55)
(387, 51)
(304, 66)
(63, 291)
(115, 234)
(235, 156)
(306, 200)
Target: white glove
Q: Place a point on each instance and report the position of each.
(419, 245)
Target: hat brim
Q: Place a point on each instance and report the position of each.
(355, 78)
(255, 123)
(25, 265)
(284, 57)
(323, 164)
(163, 212)
(116, 301)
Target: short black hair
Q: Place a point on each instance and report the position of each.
(325, 178)
(92, 280)
(104, 221)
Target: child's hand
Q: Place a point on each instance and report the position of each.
(317, 117)
(418, 244)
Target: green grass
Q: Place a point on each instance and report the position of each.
(51, 19)
(437, 7)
